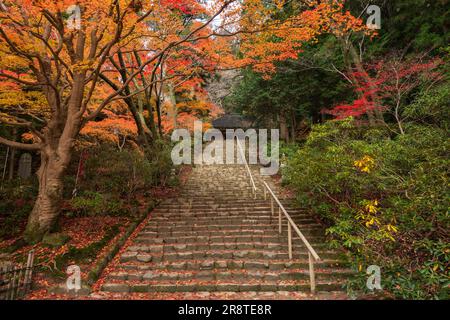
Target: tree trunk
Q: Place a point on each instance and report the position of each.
(151, 120)
(56, 152)
(158, 113)
(48, 202)
(293, 127)
(12, 158)
(173, 112)
(284, 133)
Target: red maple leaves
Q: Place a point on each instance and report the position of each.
(389, 81)
(185, 6)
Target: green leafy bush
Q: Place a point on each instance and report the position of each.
(384, 198)
(90, 203)
(125, 172)
(431, 107)
(112, 179)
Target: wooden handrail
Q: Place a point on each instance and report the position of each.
(292, 223)
(312, 254)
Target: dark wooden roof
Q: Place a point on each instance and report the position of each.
(231, 121)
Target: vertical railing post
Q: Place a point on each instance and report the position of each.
(271, 206)
(312, 276)
(265, 193)
(290, 240)
(29, 271)
(279, 221)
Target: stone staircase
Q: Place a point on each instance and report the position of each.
(215, 237)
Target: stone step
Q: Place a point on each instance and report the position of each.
(225, 226)
(227, 238)
(212, 286)
(218, 199)
(321, 249)
(230, 275)
(214, 254)
(180, 199)
(179, 216)
(214, 236)
(221, 295)
(163, 234)
(164, 221)
(224, 206)
(247, 264)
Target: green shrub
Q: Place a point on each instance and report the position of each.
(384, 198)
(431, 107)
(90, 203)
(125, 172)
(113, 179)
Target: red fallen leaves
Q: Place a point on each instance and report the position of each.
(86, 230)
(207, 296)
(84, 238)
(112, 265)
(82, 232)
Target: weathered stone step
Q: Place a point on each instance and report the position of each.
(214, 254)
(255, 237)
(223, 274)
(321, 249)
(211, 286)
(167, 233)
(216, 226)
(215, 213)
(229, 295)
(221, 207)
(219, 200)
(248, 264)
(224, 214)
(164, 221)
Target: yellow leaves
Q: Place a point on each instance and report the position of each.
(372, 221)
(392, 228)
(11, 61)
(371, 207)
(369, 211)
(83, 66)
(370, 217)
(366, 164)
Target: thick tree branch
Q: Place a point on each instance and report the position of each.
(19, 145)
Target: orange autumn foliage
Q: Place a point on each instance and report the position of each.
(111, 129)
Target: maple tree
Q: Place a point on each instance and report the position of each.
(177, 69)
(65, 63)
(392, 80)
(279, 30)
